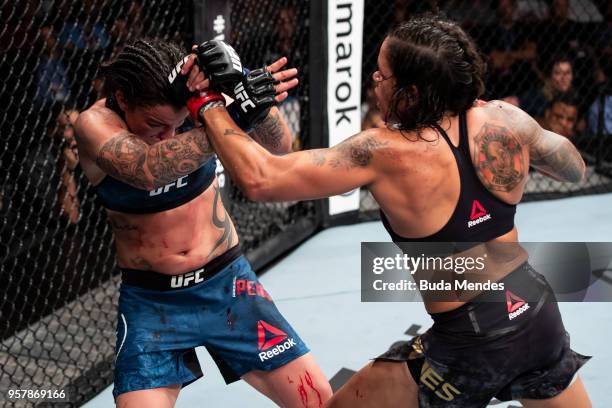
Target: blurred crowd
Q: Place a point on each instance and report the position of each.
(50, 52)
(552, 58)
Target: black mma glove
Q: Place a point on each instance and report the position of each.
(255, 95)
(221, 65)
(178, 91)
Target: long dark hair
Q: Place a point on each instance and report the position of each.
(141, 72)
(437, 69)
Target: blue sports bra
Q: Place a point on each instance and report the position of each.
(118, 196)
(479, 216)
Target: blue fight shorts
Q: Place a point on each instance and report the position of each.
(221, 306)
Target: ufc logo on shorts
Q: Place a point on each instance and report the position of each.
(175, 71)
(234, 57)
(184, 280)
(242, 96)
(178, 184)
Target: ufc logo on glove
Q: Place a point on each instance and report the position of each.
(243, 97)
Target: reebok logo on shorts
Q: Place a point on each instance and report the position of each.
(478, 215)
(516, 305)
(271, 341)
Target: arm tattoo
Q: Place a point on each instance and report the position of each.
(126, 157)
(223, 223)
(233, 132)
(558, 157)
(553, 154)
(123, 157)
(317, 157)
(356, 152)
(498, 158)
(174, 158)
(270, 132)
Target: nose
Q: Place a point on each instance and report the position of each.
(167, 134)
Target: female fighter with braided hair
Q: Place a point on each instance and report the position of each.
(185, 282)
(442, 158)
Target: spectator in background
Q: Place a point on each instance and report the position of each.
(605, 34)
(66, 165)
(584, 11)
(471, 14)
(128, 24)
(559, 79)
(53, 86)
(83, 28)
(600, 112)
(510, 50)
(532, 10)
(287, 42)
(561, 115)
(558, 34)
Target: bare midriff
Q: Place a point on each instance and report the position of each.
(501, 261)
(174, 241)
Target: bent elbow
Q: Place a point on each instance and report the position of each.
(253, 188)
(286, 146)
(582, 173)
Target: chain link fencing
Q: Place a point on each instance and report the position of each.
(552, 58)
(58, 276)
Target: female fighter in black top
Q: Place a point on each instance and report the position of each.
(446, 168)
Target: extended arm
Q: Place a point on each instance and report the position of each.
(103, 137)
(307, 174)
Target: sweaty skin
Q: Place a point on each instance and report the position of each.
(406, 173)
(182, 238)
(413, 177)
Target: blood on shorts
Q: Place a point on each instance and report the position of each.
(231, 318)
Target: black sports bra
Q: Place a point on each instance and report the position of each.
(479, 216)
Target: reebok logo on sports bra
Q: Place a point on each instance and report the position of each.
(478, 215)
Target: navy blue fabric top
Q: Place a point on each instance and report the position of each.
(119, 196)
(479, 216)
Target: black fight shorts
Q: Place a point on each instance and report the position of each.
(508, 349)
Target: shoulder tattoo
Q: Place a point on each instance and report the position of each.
(498, 158)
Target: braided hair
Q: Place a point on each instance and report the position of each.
(141, 72)
(437, 69)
